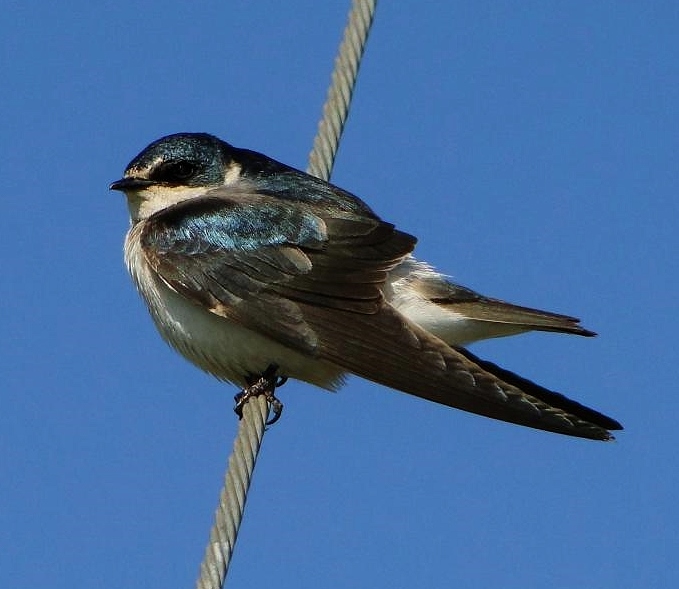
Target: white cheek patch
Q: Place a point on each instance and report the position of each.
(144, 203)
(232, 175)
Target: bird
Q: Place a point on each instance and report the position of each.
(252, 268)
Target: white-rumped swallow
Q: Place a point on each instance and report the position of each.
(246, 263)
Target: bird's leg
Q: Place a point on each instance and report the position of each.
(265, 384)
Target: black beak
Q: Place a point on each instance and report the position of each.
(130, 184)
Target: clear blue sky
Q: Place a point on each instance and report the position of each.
(533, 149)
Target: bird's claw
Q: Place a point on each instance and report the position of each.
(263, 385)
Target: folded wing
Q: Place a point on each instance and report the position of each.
(312, 278)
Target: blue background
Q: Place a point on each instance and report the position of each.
(533, 149)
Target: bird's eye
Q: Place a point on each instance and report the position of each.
(174, 171)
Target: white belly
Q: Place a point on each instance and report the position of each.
(219, 346)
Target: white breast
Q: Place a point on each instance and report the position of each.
(219, 346)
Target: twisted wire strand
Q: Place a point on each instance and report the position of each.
(343, 82)
(248, 441)
(232, 499)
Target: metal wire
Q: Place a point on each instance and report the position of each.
(343, 81)
(232, 499)
(234, 494)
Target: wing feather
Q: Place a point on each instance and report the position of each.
(313, 281)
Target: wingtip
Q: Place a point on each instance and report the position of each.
(609, 437)
(600, 430)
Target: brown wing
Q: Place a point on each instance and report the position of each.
(311, 278)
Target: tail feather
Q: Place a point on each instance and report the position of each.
(525, 318)
(459, 315)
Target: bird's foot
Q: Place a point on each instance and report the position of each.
(265, 384)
